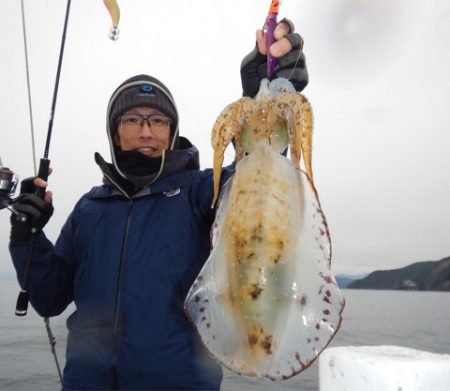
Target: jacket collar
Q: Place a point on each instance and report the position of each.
(175, 162)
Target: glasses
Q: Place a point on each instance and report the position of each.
(134, 122)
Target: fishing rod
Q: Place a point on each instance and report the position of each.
(8, 180)
(44, 166)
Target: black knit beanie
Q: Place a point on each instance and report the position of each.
(145, 91)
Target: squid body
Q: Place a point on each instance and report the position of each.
(266, 302)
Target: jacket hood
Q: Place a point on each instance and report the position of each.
(140, 90)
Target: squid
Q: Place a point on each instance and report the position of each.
(266, 303)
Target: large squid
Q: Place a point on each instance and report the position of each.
(266, 302)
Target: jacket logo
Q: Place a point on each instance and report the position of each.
(172, 192)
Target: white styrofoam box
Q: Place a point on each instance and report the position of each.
(383, 368)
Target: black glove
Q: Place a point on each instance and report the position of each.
(291, 66)
(36, 210)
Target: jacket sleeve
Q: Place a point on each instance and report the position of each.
(50, 283)
(202, 191)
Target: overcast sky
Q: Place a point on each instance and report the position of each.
(379, 88)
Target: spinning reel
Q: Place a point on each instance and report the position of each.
(8, 185)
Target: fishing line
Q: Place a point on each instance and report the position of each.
(30, 109)
(52, 341)
(202, 127)
(295, 65)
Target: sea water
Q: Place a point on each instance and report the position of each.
(419, 320)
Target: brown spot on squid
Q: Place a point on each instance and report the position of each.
(302, 301)
(252, 340)
(266, 344)
(255, 291)
(327, 279)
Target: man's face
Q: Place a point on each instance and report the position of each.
(149, 136)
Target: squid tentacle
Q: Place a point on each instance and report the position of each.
(225, 128)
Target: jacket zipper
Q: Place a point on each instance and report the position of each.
(118, 298)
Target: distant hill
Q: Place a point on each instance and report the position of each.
(422, 276)
(343, 280)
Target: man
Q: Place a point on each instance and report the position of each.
(131, 248)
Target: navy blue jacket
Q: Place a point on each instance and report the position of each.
(128, 263)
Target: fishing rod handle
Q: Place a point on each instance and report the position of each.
(23, 298)
(44, 166)
(22, 303)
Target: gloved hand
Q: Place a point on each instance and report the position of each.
(37, 211)
(291, 65)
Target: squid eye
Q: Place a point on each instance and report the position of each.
(246, 139)
(279, 139)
